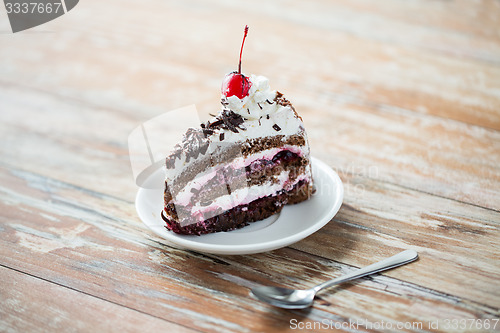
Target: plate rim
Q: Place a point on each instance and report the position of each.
(260, 247)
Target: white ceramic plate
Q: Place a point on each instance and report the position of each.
(295, 222)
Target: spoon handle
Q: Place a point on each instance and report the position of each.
(394, 261)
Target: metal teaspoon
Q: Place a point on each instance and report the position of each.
(300, 299)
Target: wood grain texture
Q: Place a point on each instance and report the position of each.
(33, 304)
(402, 99)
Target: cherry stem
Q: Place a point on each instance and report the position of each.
(241, 50)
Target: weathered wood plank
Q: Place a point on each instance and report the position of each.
(402, 98)
(429, 154)
(30, 304)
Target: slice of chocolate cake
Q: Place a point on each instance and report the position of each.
(242, 166)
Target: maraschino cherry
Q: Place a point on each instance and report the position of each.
(235, 83)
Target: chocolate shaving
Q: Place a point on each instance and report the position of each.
(203, 148)
(230, 125)
(276, 127)
(267, 116)
(196, 141)
(283, 101)
(231, 120)
(207, 131)
(206, 203)
(227, 120)
(215, 124)
(170, 160)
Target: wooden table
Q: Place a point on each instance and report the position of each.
(401, 98)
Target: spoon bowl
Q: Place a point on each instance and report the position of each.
(284, 297)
